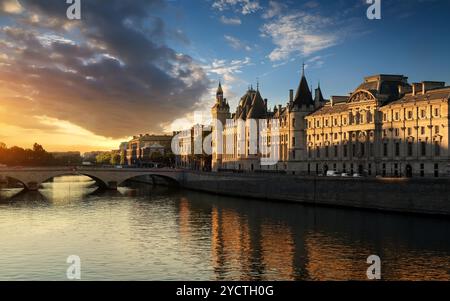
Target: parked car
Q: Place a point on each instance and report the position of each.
(357, 175)
(332, 173)
(345, 175)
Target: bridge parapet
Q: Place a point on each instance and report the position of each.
(110, 178)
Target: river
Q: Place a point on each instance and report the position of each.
(144, 232)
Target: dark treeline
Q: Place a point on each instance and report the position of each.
(38, 156)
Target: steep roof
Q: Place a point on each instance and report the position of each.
(303, 95)
(319, 96)
(258, 108)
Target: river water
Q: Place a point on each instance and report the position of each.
(143, 232)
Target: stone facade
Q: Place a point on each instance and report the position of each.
(385, 127)
(140, 148)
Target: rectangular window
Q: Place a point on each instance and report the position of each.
(327, 151)
(397, 132)
(410, 149)
(437, 149)
(336, 151)
(409, 131)
(422, 130)
(397, 116)
(410, 115)
(397, 149)
(436, 170)
(309, 152)
(422, 170)
(423, 148)
(354, 150)
(293, 123)
(436, 112)
(293, 141)
(346, 151)
(385, 149)
(423, 113)
(318, 152)
(436, 129)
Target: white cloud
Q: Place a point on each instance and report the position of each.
(227, 70)
(245, 7)
(230, 21)
(274, 10)
(299, 33)
(236, 44)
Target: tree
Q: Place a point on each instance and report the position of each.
(156, 157)
(115, 159)
(104, 158)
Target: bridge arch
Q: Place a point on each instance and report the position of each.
(171, 181)
(98, 181)
(18, 180)
(32, 178)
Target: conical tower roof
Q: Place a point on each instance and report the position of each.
(303, 95)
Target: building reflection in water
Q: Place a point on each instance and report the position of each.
(250, 241)
(153, 232)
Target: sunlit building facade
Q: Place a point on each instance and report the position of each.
(385, 127)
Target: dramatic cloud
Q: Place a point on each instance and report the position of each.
(244, 7)
(236, 44)
(111, 73)
(299, 33)
(227, 70)
(230, 21)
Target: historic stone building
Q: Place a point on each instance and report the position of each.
(386, 127)
(282, 130)
(140, 148)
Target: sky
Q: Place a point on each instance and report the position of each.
(145, 66)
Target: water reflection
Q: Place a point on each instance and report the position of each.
(145, 232)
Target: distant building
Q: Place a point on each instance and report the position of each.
(70, 158)
(191, 151)
(140, 149)
(386, 127)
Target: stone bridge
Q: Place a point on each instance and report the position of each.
(109, 178)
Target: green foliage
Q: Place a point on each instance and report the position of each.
(38, 156)
(115, 159)
(104, 159)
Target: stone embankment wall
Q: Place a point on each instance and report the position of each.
(427, 196)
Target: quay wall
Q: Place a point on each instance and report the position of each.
(422, 196)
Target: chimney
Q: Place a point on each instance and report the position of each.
(291, 95)
(416, 88)
(265, 102)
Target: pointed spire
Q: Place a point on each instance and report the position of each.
(219, 89)
(318, 99)
(304, 94)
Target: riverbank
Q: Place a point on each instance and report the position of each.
(418, 196)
